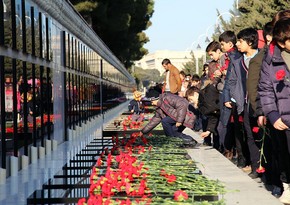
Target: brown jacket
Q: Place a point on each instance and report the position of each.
(174, 80)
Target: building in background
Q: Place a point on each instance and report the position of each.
(177, 58)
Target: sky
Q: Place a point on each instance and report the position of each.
(181, 25)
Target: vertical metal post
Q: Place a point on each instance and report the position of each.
(65, 95)
(3, 114)
(101, 99)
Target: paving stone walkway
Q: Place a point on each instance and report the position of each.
(242, 190)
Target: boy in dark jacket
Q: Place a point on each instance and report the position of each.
(225, 129)
(172, 111)
(274, 92)
(208, 105)
(247, 44)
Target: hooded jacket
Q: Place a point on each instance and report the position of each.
(173, 106)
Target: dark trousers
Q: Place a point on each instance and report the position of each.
(249, 123)
(212, 123)
(284, 156)
(170, 129)
(229, 140)
(240, 136)
(226, 129)
(225, 132)
(222, 128)
(271, 151)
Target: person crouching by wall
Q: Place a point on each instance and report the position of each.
(136, 107)
(172, 111)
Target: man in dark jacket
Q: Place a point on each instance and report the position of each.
(172, 111)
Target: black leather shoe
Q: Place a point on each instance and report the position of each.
(189, 144)
(254, 175)
(206, 144)
(241, 162)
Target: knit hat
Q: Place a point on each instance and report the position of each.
(137, 94)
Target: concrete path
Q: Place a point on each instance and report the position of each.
(241, 189)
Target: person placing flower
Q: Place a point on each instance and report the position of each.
(136, 108)
(172, 111)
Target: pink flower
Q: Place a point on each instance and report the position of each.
(280, 74)
(260, 169)
(180, 195)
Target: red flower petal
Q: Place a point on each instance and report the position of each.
(280, 74)
(260, 170)
(255, 129)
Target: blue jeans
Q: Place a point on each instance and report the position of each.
(170, 129)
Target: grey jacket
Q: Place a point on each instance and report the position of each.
(173, 106)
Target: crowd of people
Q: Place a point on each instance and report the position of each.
(240, 103)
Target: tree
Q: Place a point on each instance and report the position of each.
(147, 74)
(190, 66)
(252, 13)
(120, 24)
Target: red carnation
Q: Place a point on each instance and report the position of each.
(255, 129)
(171, 178)
(260, 170)
(99, 162)
(180, 195)
(241, 119)
(280, 74)
(81, 201)
(162, 172)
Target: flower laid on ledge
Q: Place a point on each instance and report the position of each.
(153, 173)
(171, 178)
(131, 123)
(180, 195)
